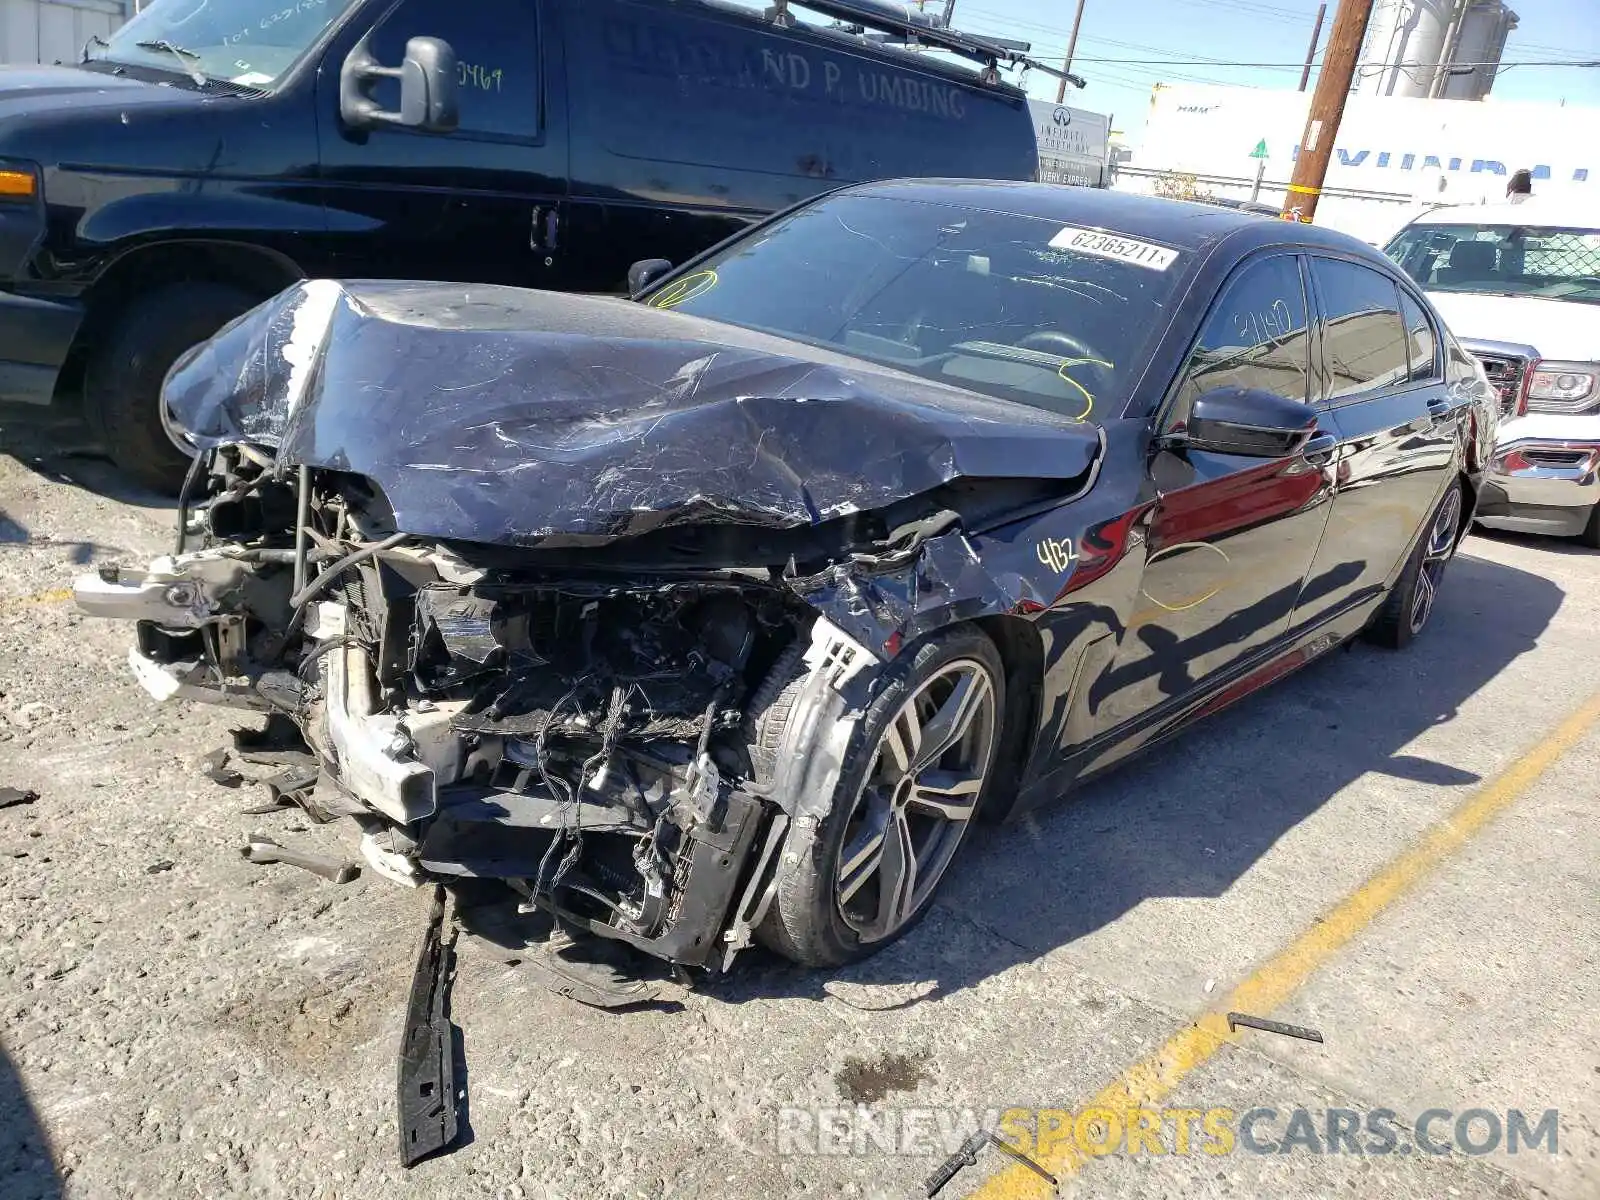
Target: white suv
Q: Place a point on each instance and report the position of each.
(1519, 284)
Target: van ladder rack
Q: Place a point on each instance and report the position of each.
(898, 21)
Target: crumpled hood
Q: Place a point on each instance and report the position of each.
(506, 416)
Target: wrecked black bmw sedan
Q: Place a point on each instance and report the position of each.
(723, 612)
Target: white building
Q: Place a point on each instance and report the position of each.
(47, 31)
(1391, 155)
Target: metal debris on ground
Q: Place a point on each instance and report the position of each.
(214, 766)
(601, 974)
(262, 849)
(1294, 1031)
(426, 1083)
(967, 1156)
(13, 796)
(262, 810)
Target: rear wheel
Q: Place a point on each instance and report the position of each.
(912, 784)
(123, 378)
(1408, 606)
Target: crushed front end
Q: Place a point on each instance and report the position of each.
(513, 595)
(576, 734)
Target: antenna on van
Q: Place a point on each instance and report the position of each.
(905, 26)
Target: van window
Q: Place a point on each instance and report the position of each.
(1363, 338)
(497, 57)
(249, 42)
(1255, 337)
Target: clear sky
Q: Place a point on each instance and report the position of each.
(1267, 31)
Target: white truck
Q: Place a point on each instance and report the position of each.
(1519, 284)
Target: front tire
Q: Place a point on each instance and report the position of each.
(1409, 604)
(919, 767)
(123, 378)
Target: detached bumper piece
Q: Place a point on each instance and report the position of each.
(427, 1082)
(482, 832)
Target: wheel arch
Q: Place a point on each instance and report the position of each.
(1022, 652)
(146, 268)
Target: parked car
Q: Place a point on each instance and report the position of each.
(209, 153)
(728, 609)
(1521, 284)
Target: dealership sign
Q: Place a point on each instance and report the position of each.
(1072, 144)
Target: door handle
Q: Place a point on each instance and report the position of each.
(1320, 448)
(544, 228)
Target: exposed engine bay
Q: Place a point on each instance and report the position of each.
(581, 735)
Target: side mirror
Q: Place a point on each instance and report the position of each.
(429, 87)
(644, 273)
(1235, 420)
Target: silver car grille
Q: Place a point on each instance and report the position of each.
(1505, 372)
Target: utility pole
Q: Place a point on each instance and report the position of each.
(1327, 109)
(1311, 50)
(1072, 46)
(1447, 52)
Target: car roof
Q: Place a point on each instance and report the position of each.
(1181, 224)
(1569, 211)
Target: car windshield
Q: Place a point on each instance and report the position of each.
(252, 43)
(1555, 262)
(1017, 307)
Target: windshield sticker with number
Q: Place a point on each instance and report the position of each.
(1109, 245)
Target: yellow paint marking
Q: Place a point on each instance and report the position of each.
(53, 596)
(1147, 1083)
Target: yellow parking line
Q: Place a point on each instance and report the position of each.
(1147, 1083)
(53, 596)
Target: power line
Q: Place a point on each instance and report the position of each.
(1196, 60)
(1265, 12)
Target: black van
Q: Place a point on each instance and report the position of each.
(213, 151)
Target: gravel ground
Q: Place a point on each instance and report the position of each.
(177, 1021)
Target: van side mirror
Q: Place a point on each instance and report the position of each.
(644, 273)
(429, 87)
(1249, 421)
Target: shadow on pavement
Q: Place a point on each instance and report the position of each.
(1193, 816)
(27, 1171)
(56, 445)
(1535, 541)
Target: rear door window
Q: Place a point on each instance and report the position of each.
(1364, 342)
(1422, 344)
